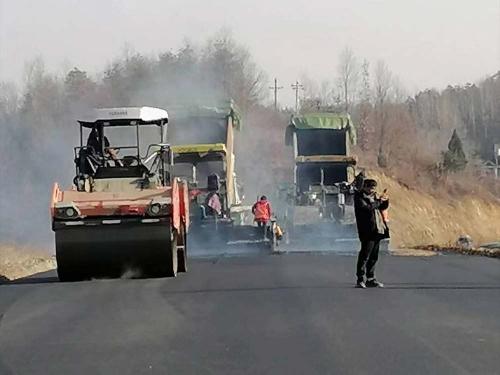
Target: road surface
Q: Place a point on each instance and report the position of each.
(271, 314)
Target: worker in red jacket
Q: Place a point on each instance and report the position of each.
(262, 211)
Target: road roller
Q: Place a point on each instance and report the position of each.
(125, 215)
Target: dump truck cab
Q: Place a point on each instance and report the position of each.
(126, 211)
(205, 167)
(323, 168)
(322, 192)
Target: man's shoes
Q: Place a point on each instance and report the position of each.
(360, 284)
(373, 283)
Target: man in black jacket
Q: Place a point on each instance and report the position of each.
(371, 230)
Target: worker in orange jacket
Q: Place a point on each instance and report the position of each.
(262, 211)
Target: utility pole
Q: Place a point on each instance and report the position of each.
(497, 159)
(275, 88)
(297, 87)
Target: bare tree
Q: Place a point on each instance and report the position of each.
(318, 96)
(9, 98)
(399, 92)
(311, 88)
(365, 108)
(348, 71)
(326, 93)
(233, 70)
(383, 82)
(365, 90)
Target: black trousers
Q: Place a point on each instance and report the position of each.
(262, 228)
(367, 258)
(261, 224)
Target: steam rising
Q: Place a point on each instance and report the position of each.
(38, 129)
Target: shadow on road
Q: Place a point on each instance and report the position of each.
(339, 286)
(38, 278)
(458, 286)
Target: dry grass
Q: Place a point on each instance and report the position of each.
(413, 253)
(492, 253)
(17, 262)
(419, 218)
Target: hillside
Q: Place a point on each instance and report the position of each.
(418, 218)
(17, 262)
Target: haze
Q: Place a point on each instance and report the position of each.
(427, 44)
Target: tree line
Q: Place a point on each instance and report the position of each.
(395, 126)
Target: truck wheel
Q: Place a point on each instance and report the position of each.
(182, 252)
(68, 275)
(67, 270)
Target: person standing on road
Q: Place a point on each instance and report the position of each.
(371, 230)
(262, 211)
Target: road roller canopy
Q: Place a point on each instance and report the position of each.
(125, 116)
(111, 149)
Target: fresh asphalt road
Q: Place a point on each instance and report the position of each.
(269, 314)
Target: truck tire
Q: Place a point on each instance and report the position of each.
(169, 265)
(66, 274)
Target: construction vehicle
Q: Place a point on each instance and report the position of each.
(203, 152)
(320, 203)
(127, 214)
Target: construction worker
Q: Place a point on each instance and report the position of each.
(95, 143)
(372, 229)
(262, 211)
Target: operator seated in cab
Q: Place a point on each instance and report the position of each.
(94, 141)
(92, 156)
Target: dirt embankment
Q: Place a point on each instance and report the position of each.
(418, 219)
(16, 262)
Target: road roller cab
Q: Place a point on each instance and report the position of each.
(126, 213)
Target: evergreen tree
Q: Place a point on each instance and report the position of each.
(454, 159)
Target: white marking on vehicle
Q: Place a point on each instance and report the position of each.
(147, 221)
(111, 221)
(73, 223)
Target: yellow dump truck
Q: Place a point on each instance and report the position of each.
(203, 149)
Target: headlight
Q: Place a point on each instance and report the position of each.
(65, 212)
(160, 207)
(313, 196)
(155, 209)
